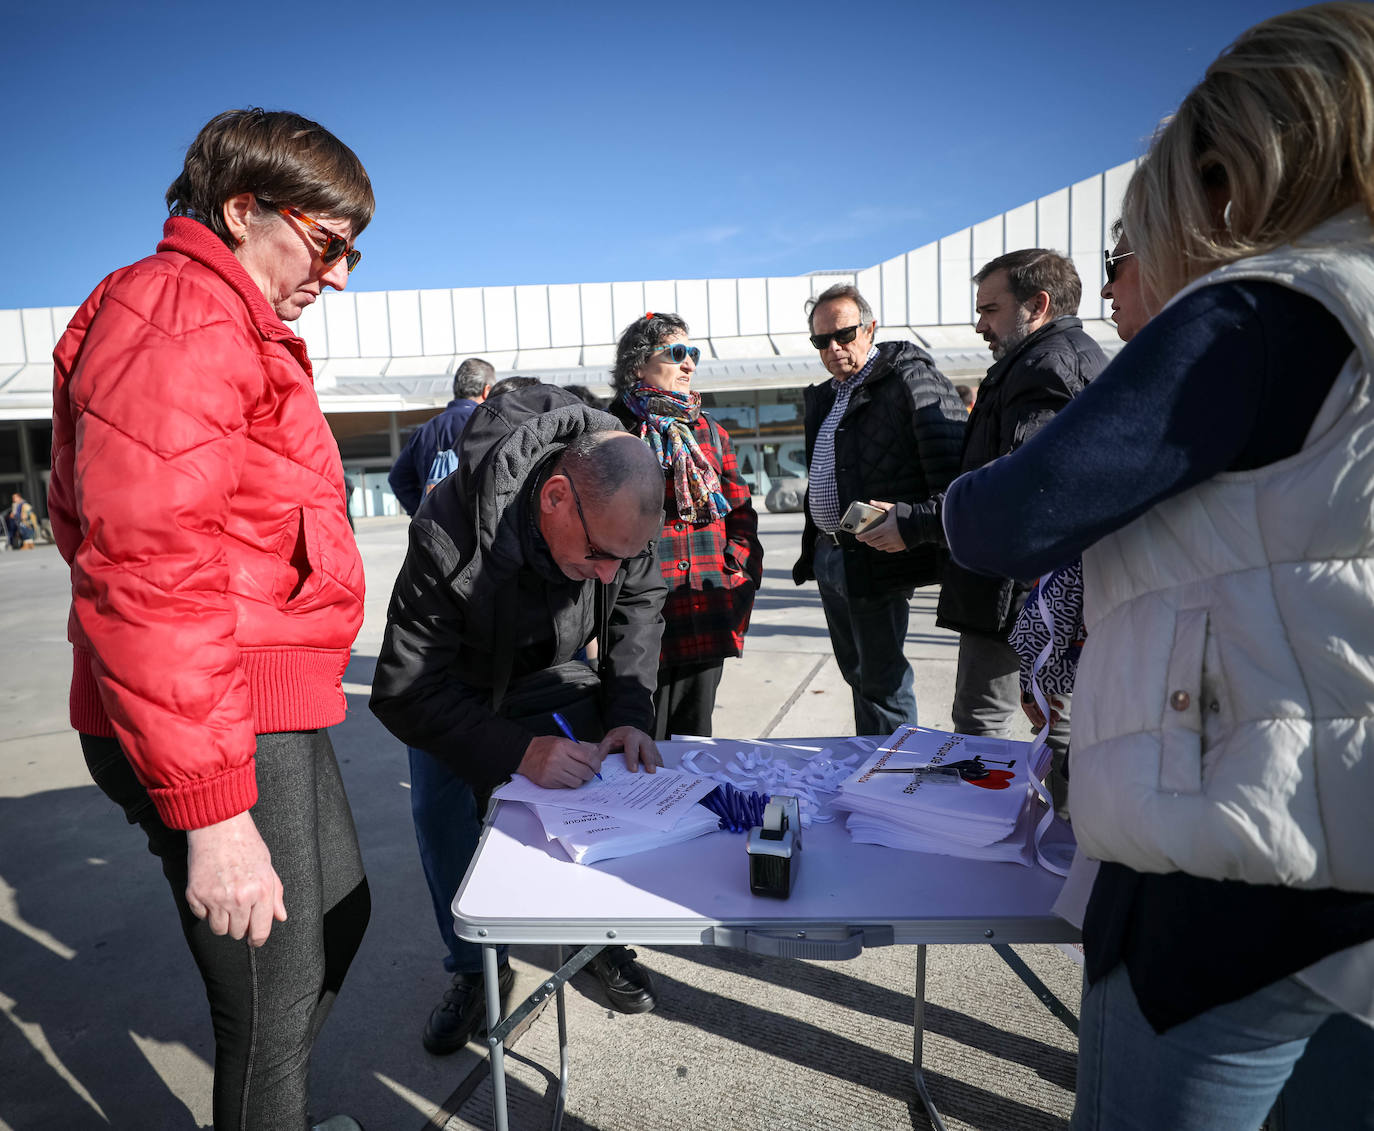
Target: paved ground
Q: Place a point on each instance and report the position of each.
(102, 1017)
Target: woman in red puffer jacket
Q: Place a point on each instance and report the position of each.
(216, 587)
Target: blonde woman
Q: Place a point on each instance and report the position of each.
(1216, 479)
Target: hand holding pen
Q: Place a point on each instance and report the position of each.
(559, 763)
(562, 724)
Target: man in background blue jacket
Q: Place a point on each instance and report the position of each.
(471, 384)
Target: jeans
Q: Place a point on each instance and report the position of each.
(267, 1004)
(867, 635)
(447, 828)
(1219, 1071)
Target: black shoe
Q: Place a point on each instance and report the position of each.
(627, 984)
(462, 1014)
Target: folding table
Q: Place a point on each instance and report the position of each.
(521, 889)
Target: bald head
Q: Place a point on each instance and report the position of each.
(615, 466)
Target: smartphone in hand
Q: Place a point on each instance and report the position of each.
(860, 516)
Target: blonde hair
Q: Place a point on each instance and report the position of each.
(1281, 126)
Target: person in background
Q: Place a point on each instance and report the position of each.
(471, 386)
(888, 425)
(21, 523)
(965, 395)
(507, 384)
(1027, 305)
(1061, 590)
(708, 549)
(586, 396)
(538, 542)
(198, 507)
(1223, 765)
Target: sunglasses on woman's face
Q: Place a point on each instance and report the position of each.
(843, 337)
(680, 353)
(335, 246)
(1110, 261)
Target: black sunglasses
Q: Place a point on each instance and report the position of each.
(843, 337)
(1110, 261)
(680, 353)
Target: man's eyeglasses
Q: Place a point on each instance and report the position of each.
(594, 552)
(335, 245)
(843, 337)
(680, 353)
(1110, 261)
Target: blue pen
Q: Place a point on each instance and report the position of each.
(568, 734)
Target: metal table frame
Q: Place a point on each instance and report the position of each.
(639, 900)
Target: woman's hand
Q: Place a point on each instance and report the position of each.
(231, 882)
(883, 535)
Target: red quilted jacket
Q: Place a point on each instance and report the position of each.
(198, 495)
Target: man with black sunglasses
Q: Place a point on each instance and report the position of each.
(888, 425)
(541, 541)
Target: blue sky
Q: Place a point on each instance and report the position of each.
(549, 143)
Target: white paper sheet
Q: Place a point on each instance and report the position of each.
(658, 800)
(589, 837)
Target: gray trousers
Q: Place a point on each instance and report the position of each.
(987, 701)
(267, 1004)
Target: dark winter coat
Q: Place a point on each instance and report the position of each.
(481, 616)
(411, 469)
(1019, 396)
(899, 441)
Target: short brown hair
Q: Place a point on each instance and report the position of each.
(276, 155)
(1036, 269)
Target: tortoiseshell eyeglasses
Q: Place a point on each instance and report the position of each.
(335, 245)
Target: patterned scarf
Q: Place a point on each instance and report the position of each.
(665, 424)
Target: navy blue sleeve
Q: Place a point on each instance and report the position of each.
(1231, 376)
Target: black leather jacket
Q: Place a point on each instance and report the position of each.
(1019, 396)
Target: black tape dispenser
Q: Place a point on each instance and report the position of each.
(775, 848)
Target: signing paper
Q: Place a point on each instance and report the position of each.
(658, 800)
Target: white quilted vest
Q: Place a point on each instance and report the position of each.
(1223, 717)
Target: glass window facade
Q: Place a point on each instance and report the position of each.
(766, 430)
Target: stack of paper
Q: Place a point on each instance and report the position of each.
(622, 814)
(953, 794)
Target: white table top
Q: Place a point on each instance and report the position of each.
(523, 889)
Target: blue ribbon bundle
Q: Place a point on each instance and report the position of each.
(738, 811)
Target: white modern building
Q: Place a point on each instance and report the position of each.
(384, 360)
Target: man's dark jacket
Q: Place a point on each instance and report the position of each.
(1019, 396)
(411, 469)
(482, 619)
(898, 441)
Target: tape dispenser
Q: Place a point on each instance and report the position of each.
(775, 848)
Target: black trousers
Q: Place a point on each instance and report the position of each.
(686, 699)
(267, 1004)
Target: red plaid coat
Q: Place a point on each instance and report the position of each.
(712, 569)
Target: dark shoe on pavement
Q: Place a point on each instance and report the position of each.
(627, 984)
(462, 1014)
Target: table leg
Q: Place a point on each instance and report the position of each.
(496, 1049)
(498, 1032)
(918, 1039)
(1037, 987)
